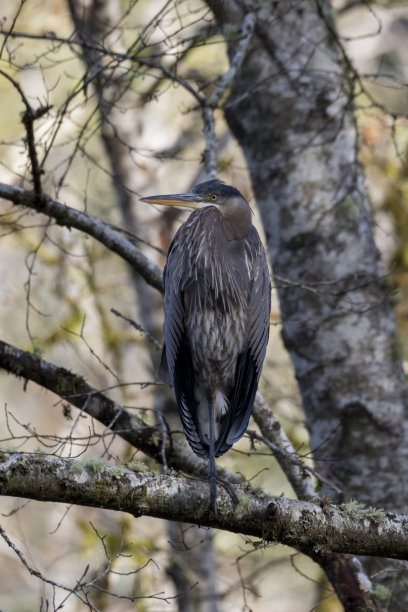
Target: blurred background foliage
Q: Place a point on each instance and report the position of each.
(117, 130)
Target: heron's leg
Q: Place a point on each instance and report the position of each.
(212, 473)
(212, 477)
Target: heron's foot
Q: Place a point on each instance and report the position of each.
(192, 476)
(229, 489)
(213, 480)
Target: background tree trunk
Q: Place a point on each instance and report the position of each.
(296, 127)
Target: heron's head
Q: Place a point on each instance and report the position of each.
(229, 201)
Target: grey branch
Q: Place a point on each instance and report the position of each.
(76, 590)
(210, 156)
(313, 528)
(70, 217)
(282, 448)
(28, 119)
(208, 106)
(74, 389)
(227, 79)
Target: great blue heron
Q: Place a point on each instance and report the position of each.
(216, 318)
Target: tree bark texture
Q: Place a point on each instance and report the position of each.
(315, 528)
(296, 127)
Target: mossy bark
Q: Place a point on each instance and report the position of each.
(291, 111)
(312, 527)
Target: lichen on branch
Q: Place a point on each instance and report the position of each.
(315, 528)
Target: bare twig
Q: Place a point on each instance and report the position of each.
(71, 590)
(11, 29)
(140, 328)
(30, 115)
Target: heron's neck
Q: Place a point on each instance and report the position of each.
(238, 214)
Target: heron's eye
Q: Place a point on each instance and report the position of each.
(213, 197)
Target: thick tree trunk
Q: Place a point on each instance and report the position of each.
(295, 124)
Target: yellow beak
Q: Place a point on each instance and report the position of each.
(184, 200)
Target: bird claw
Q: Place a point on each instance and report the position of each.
(213, 490)
(229, 489)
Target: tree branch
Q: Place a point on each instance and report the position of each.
(313, 528)
(70, 217)
(282, 448)
(29, 117)
(73, 388)
(209, 105)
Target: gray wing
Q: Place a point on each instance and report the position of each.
(250, 361)
(176, 362)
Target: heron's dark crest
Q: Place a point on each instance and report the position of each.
(217, 187)
(216, 327)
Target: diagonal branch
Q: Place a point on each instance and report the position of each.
(73, 388)
(314, 528)
(70, 217)
(282, 449)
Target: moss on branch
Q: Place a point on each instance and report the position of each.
(308, 526)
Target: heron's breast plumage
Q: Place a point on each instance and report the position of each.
(216, 339)
(215, 301)
(215, 319)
